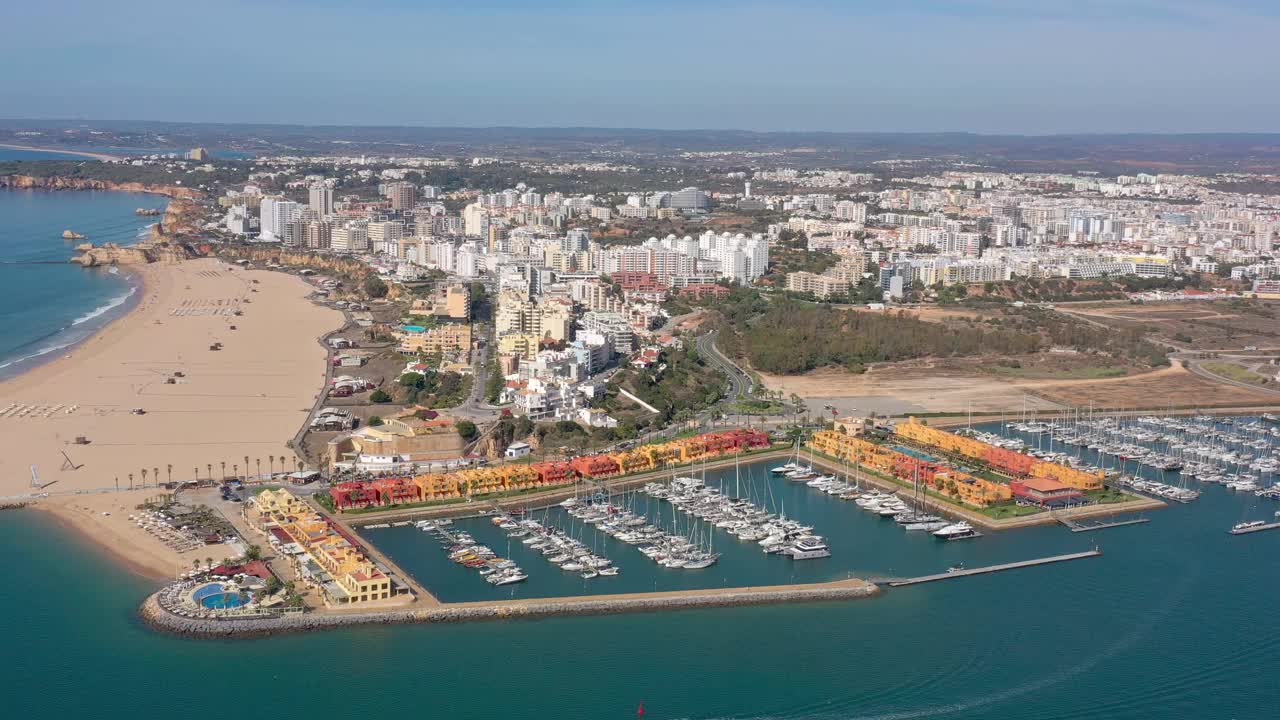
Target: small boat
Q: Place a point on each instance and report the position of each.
(953, 530)
(511, 578)
(809, 547)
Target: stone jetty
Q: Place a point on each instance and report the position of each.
(156, 616)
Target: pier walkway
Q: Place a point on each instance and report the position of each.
(1254, 529)
(1077, 526)
(995, 568)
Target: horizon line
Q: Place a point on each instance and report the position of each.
(973, 133)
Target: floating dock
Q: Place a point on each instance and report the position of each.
(1254, 529)
(995, 568)
(1100, 525)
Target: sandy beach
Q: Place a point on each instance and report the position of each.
(80, 153)
(247, 399)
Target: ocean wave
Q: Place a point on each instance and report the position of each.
(63, 337)
(38, 353)
(106, 307)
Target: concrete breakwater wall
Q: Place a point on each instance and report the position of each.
(157, 617)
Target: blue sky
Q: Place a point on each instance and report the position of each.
(993, 66)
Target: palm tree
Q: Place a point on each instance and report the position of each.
(144, 477)
(246, 466)
(224, 470)
(196, 473)
(130, 481)
(209, 467)
(195, 564)
(208, 562)
(259, 462)
(155, 473)
(271, 465)
(235, 470)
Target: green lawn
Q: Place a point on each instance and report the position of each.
(1008, 510)
(1109, 496)
(756, 406)
(1081, 373)
(1235, 372)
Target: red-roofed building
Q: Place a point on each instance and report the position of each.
(555, 473)
(704, 290)
(352, 494)
(1045, 492)
(639, 282)
(646, 357)
(595, 466)
(395, 491)
(256, 568)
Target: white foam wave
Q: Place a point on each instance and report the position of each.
(38, 353)
(114, 302)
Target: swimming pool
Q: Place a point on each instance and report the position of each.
(215, 596)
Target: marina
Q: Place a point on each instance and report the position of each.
(1182, 458)
(726, 512)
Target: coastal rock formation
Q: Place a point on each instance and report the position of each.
(181, 222)
(71, 235)
(112, 254)
(350, 270)
(167, 242)
(22, 182)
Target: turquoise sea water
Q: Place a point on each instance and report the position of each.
(1176, 620)
(47, 304)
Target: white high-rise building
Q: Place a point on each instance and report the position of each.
(850, 210)
(276, 213)
(475, 221)
(352, 238)
(384, 237)
(468, 261)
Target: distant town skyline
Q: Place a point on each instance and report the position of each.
(983, 66)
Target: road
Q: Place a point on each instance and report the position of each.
(475, 408)
(740, 385)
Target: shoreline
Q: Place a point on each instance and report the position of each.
(95, 539)
(136, 281)
(16, 368)
(246, 400)
(102, 157)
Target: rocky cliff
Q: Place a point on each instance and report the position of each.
(112, 254)
(19, 182)
(350, 270)
(181, 222)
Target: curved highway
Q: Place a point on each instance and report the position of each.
(740, 384)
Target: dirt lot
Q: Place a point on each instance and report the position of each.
(905, 388)
(923, 388)
(1202, 326)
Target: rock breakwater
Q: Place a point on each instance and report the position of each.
(157, 617)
